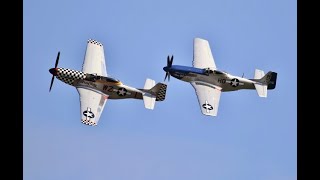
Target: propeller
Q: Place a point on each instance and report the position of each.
(169, 64)
(53, 71)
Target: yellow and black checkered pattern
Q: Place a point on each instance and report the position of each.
(92, 41)
(69, 76)
(88, 122)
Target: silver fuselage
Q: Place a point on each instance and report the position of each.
(111, 87)
(224, 80)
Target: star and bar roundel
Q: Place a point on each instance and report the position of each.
(88, 113)
(234, 82)
(207, 106)
(122, 92)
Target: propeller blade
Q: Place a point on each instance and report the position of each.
(171, 60)
(57, 60)
(52, 72)
(51, 83)
(165, 77)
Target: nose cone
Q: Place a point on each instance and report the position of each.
(53, 71)
(166, 69)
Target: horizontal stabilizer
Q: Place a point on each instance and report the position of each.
(258, 74)
(149, 99)
(261, 90)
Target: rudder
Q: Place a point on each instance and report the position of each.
(273, 80)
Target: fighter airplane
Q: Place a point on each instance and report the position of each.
(209, 82)
(95, 87)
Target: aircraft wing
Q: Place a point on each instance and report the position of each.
(91, 106)
(94, 61)
(208, 98)
(202, 56)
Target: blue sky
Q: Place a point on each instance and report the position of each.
(251, 138)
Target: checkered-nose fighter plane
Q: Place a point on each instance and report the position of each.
(209, 82)
(95, 87)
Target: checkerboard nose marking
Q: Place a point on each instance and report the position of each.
(68, 75)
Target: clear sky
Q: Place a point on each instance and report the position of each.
(252, 138)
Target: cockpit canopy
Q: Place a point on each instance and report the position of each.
(94, 77)
(208, 71)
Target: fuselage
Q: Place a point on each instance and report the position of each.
(222, 79)
(111, 87)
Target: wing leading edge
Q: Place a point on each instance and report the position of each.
(208, 98)
(91, 106)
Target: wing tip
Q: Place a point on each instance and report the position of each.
(200, 39)
(95, 42)
(208, 114)
(88, 122)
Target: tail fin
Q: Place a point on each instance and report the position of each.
(264, 82)
(153, 93)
